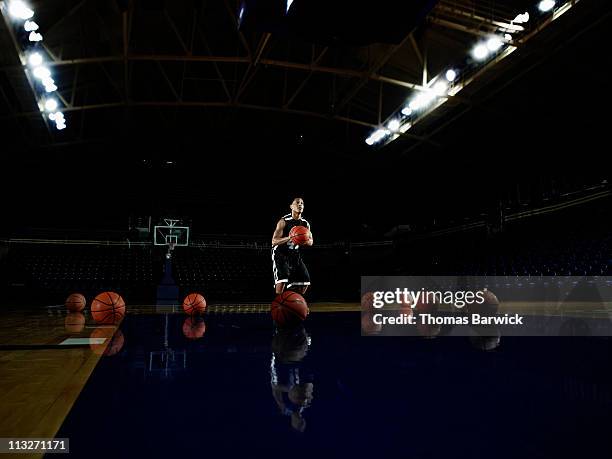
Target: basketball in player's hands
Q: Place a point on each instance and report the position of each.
(299, 235)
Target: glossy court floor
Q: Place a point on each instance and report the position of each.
(231, 385)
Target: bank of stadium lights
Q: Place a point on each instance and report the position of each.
(481, 52)
(19, 11)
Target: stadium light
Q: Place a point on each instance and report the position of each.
(35, 59)
(51, 105)
(521, 18)
(30, 26)
(405, 127)
(35, 37)
(440, 88)
(393, 125)
(546, 5)
(406, 111)
(41, 72)
(494, 43)
(480, 52)
(451, 75)
(19, 10)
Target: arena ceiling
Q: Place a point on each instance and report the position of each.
(185, 71)
(178, 84)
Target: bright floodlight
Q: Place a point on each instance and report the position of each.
(406, 111)
(494, 43)
(51, 105)
(440, 88)
(35, 36)
(370, 141)
(451, 75)
(422, 100)
(507, 37)
(405, 127)
(521, 18)
(30, 26)
(60, 127)
(393, 125)
(41, 73)
(19, 10)
(480, 52)
(546, 5)
(50, 87)
(35, 59)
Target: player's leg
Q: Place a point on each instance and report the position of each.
(280, 271)
(300, 277)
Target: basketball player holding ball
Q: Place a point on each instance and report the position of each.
(292, 231)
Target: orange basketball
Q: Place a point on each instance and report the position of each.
(75, 302)
(367, 302)
(368, 326)
(194, 303)
(115, 345)
(299, 235)
(74, 322)
(489, 306)
(289, 309)
(108, 308)
(194, 328)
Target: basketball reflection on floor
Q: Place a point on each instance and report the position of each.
(291, 379)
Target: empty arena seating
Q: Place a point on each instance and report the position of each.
(51, 270)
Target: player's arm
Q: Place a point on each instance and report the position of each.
(277, 237)
(310, 240)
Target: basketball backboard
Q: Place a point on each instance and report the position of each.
(171, 234)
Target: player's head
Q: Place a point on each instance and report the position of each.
(297, 205)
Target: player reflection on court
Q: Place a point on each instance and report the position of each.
(291, 378)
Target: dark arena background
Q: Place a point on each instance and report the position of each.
(148, 151)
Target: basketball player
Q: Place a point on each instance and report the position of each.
(287, 265)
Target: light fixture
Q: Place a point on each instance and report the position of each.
(494, 43)
(521, 18)
(405, 127)
(51, 105)
(440, 88)
(451, 75)
(393, 125)
(19, 10)
(480, 52)
(35, 37)
(50, 88)
(41, 73)
(406, 111)
(546, 5)
(30, 26)
(35, 59)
